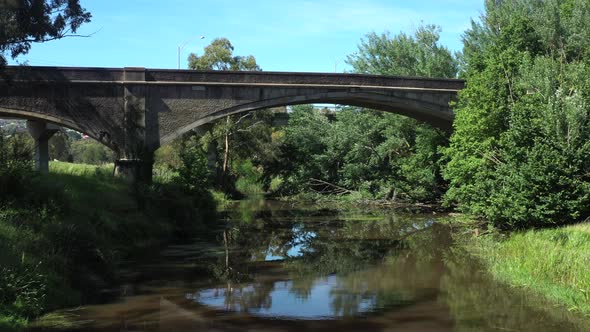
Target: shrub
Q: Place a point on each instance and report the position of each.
(249, 182)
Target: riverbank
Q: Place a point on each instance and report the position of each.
(63, 234)
(384, 270)
(357, 200)
(552, 263)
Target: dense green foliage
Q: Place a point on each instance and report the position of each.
(192, 172)
(379, 155)
(382, 155)
(85, 151)
(518, 155)
(23, 22)
(15, 164)
(406, 55)
(371, 154)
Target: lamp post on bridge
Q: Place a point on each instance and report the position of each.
(181, 46)
(336, 72)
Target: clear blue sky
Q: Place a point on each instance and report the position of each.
(283, 35)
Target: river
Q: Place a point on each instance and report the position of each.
(275, 266)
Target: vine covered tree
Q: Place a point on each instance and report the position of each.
(23, 22)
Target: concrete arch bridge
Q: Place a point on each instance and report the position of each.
(135, 110)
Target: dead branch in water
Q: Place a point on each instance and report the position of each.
(325, 187)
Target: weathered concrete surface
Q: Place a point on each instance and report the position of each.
(41, 133)
(135, 110)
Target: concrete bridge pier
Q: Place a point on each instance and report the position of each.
(41, 133)
(141, 137)
(135, 169)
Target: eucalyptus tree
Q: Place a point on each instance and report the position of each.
(242, 136)
(24, 22)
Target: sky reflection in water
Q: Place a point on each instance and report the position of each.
(284, 301)
(287, 270)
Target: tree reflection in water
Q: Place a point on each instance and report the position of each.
(310, 269)
(331, 266)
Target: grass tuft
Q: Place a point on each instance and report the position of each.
(550, 262)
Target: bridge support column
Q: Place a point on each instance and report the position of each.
(41, 133)
(141, 136)
(136, 170)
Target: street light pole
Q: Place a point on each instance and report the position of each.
(336, 72)
(181, 46)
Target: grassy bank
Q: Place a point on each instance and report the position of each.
(553, 263)
(62, 235)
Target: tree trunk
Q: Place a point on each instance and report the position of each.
(226, 152)
(226, 245)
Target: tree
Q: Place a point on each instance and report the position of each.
(411, 149)
(402, 54)
(89, 151)
(240, 136)
(303, 149)
(23, 22)
(16, 164)
(59, 146)
(518, 154)
(386, 155)
(219, 56)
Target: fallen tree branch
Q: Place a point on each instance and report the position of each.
(327, 187)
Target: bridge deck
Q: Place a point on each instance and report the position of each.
(135, 75)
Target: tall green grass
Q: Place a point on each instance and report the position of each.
(63, 234)
(554, 263)
(104, 171)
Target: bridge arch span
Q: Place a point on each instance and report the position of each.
(421, 110)
(41, 117)
(134, 110)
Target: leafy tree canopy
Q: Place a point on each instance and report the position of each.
(408, 55)
(23, 22)
(384, 155)
(219, 56)
(518, 154)
(237, 138)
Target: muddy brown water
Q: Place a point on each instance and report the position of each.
(283, 267)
